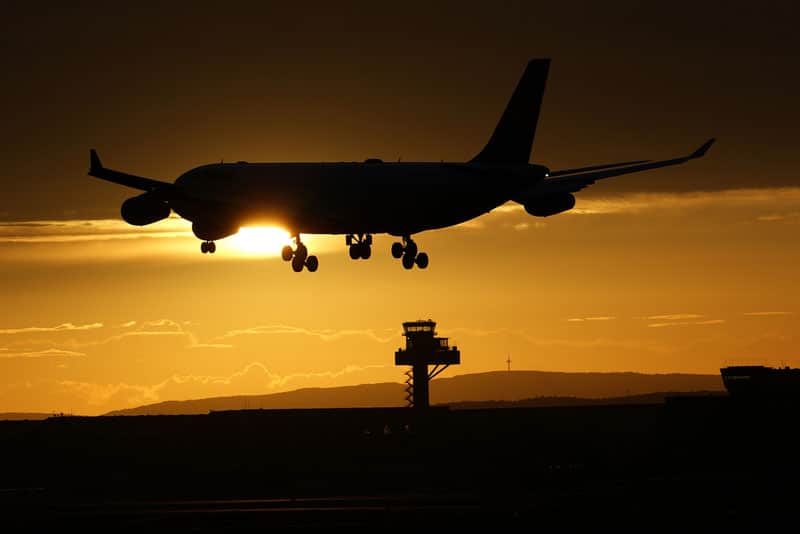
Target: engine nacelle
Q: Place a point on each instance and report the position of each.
(211, 230)
(550, 204)
(144, 209)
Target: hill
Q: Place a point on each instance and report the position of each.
(478, 387)
(21, 416)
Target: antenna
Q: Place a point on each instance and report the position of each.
(508, 362)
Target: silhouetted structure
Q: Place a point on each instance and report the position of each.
(358, 199)
(423, 348)
(760, 382)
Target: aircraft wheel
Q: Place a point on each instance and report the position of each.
(411, 249)
(287, 253)
(297, 264)
(301, 253)
(312, 263)
(397, 250)
(366, 251)
(212, 247)
(422, 260)
(355, 253)
(408, 261)
(203, 247)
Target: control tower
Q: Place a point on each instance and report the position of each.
(423, 348)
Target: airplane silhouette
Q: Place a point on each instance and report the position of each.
(359, 199)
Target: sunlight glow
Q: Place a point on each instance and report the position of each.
(260, 240)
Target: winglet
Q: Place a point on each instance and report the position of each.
(700, 152)
(94, 161)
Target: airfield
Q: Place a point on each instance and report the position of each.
(691, 463)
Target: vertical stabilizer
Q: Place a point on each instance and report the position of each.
(512, 139)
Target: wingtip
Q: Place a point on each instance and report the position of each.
(94, 160)
(700, 152)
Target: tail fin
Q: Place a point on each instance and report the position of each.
(512, 139)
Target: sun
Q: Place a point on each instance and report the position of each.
(260, 240)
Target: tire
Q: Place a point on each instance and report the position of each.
(397, 250)
(203, 247)
(411, 249)
(297, 264)
(355, 253)
(287, 253)
(212, 247)
(408, 262)
(301, 252)
(422, 260)
(366, 251)
(312, 263)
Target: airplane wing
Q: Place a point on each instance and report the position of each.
(573, 180)
(97, 170)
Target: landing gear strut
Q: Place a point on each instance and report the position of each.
(360, 245)
(408, 251)
(299, 257)
(208, 247)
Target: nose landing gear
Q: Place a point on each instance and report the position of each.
(407, 250)
(299, 257)
(208, 247)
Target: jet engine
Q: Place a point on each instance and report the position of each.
(211, 230)
(550, 204)
(144, 209)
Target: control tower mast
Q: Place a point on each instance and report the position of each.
(423, 348)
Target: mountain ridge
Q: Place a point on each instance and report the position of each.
(493, 386)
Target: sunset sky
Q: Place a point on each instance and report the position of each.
(685, 269)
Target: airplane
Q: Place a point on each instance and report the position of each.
(360, 199)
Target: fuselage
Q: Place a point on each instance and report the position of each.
(343, 198)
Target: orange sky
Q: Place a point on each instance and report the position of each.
(679, 270)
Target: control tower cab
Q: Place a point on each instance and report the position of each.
(424, 348)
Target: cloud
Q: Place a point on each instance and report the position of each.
(772, 217)
(324, 334)
(638, 202)
(767, 313)
(731, 198)
(510, 207)
(598, 318)
(41, 354)
(675, 317)
(539, 341)
(687, 323)
(88, 230)
(474, 224)
(58, 328)
(253, 378)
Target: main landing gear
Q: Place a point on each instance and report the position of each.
(208, 247)
(299, 257)
(360, 246)
(408, 251)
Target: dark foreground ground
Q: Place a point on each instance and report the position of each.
(704, 464)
